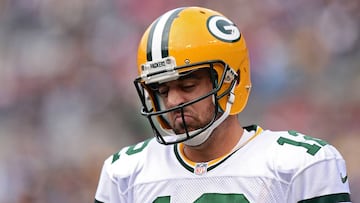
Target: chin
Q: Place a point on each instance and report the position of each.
(182, 130)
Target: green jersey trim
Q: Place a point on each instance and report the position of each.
(333, 198)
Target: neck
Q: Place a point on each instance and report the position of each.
(222, 140)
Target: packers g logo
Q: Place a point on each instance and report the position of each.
(223, 29)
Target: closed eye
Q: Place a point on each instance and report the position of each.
(188, 87)
(163, 90)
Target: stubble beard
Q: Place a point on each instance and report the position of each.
(196, 122)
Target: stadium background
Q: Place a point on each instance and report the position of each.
(67, 99)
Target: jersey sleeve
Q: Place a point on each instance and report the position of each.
(107, 189)
(117, 171)
(324, 180)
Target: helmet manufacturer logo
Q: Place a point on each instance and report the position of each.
(159, 71)
(223, 29)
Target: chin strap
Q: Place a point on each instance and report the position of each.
(202, 137)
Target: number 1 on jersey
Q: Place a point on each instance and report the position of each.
(311, 148)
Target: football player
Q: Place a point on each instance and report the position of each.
(193, 81)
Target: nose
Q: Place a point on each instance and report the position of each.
(174, 97)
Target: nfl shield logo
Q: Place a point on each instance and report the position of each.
(200, 168)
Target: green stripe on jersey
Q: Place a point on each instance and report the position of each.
(333, 198)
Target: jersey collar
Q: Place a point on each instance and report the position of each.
(250, 132)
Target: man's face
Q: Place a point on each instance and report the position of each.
(185, 89)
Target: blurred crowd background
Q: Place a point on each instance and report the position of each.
(67, 99)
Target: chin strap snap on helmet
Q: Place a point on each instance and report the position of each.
(183, 40)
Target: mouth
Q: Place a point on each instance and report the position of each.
(179, 118)
(179, 121)
(180, 125)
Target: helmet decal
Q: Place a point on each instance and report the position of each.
(223, 29)
(157, 49)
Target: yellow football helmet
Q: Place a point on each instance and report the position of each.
(183, 40)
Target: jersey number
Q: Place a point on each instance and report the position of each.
(211, 198)
(132, 150)
(311, 148)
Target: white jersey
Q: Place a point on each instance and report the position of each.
(266, 166)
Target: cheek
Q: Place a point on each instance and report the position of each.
(204, 108)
